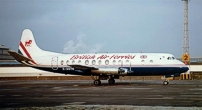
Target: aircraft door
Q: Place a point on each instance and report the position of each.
(54, 63)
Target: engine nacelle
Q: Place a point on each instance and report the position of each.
(123, 71)
(111, 71)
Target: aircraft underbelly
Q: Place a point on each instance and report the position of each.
(135, 71)
(141, 71)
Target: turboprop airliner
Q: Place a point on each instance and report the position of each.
(100, 66)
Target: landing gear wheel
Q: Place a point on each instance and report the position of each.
(165, 82)
(111, 81)
(97, 82)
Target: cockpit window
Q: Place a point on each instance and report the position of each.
(171, 58)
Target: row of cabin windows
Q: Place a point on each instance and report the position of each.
(99, 62)
(107, 61)
(93, 62)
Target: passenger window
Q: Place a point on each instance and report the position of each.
(79, 61)
(168, 58)
(107, 62)
(62, 62)
(151, 61)
(73, 62)
(142, 61)
(114, 62)
(93, 62)
(67, 62)
(99, 62)
(86, 62)
(127, 61)
(119, 61)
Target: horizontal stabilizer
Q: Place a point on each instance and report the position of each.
(20, 58)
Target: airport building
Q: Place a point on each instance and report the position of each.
(5, 58)
(4, 54)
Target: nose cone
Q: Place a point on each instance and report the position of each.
(185, 69)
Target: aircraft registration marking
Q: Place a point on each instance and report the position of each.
(68, 68)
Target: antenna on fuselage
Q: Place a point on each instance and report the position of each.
(130, 66)
(130, 71)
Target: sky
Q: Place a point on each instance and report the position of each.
(99, 26)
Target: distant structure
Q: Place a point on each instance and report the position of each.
(5, 58)
(4, 54)
(186, 34)
(193, 60)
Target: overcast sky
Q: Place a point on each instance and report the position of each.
(83, 26)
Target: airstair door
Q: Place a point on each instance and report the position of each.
(54, 63)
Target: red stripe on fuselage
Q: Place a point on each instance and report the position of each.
(26, 52)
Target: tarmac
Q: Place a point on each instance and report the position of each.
(82, 94)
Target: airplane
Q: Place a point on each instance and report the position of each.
(100, 66)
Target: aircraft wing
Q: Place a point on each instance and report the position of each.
(81, 67)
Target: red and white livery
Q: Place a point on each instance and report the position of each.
(102, 65)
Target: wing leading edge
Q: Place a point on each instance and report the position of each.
(81, 67)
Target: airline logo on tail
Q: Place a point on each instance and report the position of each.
(23, 50)
(28, 43)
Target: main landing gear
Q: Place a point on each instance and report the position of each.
(166, 82)
(111, 81)
(97, 81)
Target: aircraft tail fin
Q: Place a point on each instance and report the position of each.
(28, 46)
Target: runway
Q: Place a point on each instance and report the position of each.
(55, 93)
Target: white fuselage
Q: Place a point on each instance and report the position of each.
(110, 60)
